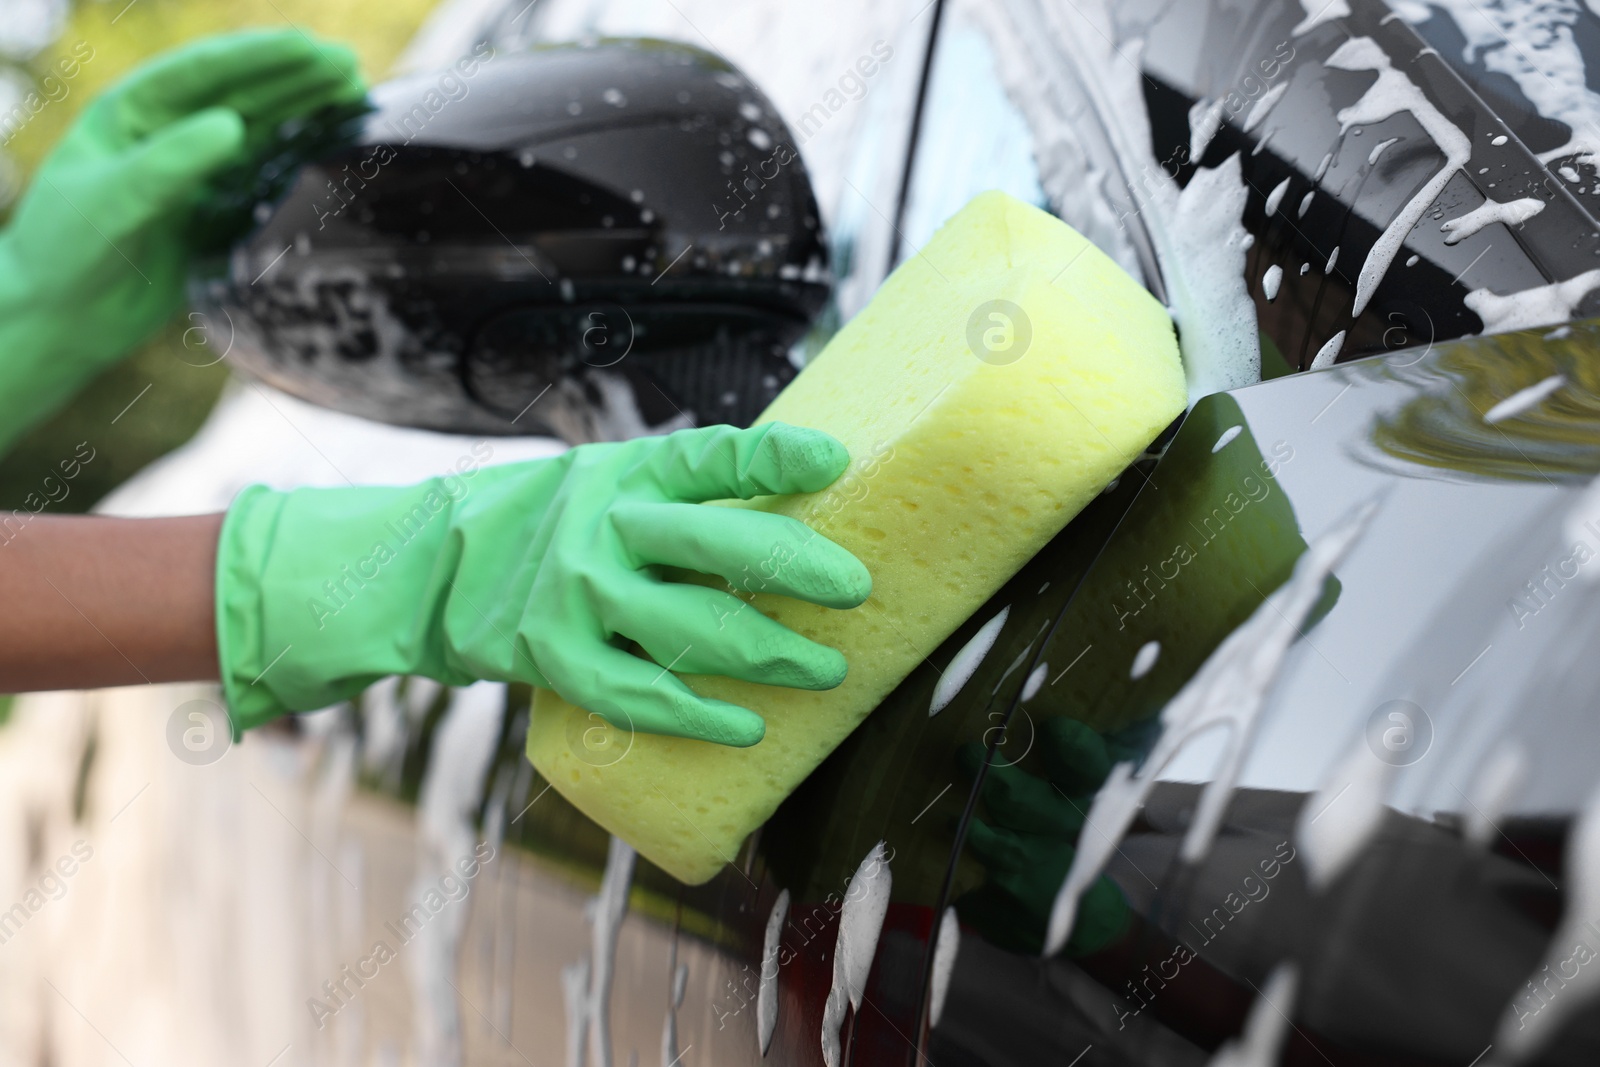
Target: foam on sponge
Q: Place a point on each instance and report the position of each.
(994, 385)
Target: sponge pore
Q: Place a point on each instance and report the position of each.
(996, 383)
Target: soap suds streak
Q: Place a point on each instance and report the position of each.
(1227, 435)
(1524, 399)
(866, 902)
(1328, 352)
(1533, 44)
(1496, 783)
(1267, 1025)
(1389, 95)
(1195, 233)
(1377, 150)
(1275, 197)
(1344, 813)
(1510, 212)
(1270, 281)
(1264, 106)
(767, 991)
(1205, 119)
(1528, 1023)
(965, 663)
(1145, 659)
(463, 749)
(586, 983)
(1227, 693)
(1543, 305)
(945, 950)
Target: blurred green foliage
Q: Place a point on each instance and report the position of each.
(180, 394)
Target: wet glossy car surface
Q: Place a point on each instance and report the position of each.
(1338, 635)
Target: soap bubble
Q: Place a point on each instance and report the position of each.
(999, 332)
(198, 732)
(1399, 732)
(595, 741)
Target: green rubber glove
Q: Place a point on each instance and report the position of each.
(96, 253)
(1028, 842)
(539, 572)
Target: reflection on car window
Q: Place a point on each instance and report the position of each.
(973, 137)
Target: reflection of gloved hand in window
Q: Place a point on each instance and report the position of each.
(539, 572)
(1027, 842)
(96, 252)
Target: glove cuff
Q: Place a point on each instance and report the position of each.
(241, 558)
(321, 592)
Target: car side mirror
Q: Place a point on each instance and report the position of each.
(592, 241)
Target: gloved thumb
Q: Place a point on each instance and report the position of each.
(169, 165)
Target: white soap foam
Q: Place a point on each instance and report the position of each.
(1516, 1041)
(1510, 212)
(1497, 781)
(866, 902)
(1534, 45)
(1275, 197)
(1343, 814)
(1524, 399)
(1391, 94)
(1227, 435)
(1205, 119)
(945, 949)
(1145, 659)
(1263, 107)
(1030, 688)
(1318, 12)
(1267, 1025)
(1271, 281)
(1328, 352)
(767, 991)
(965, 663)
(1543, 305)
(1227, 693)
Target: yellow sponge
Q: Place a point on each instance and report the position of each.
(994, 385)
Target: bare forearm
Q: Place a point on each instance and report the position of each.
(88, 601)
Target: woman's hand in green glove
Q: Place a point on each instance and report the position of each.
(96, 252)
(541, 572)
(1029, 838)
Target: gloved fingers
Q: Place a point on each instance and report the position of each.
(165, 169)
(1022, 801)
(1001, 851)
(1074, 755)
(634, 694)
(233, 70)
(720, 462)
(696, 630)
(754, 551)
(267, 106)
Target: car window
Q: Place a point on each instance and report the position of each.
(972, 136)
(1370, 216)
